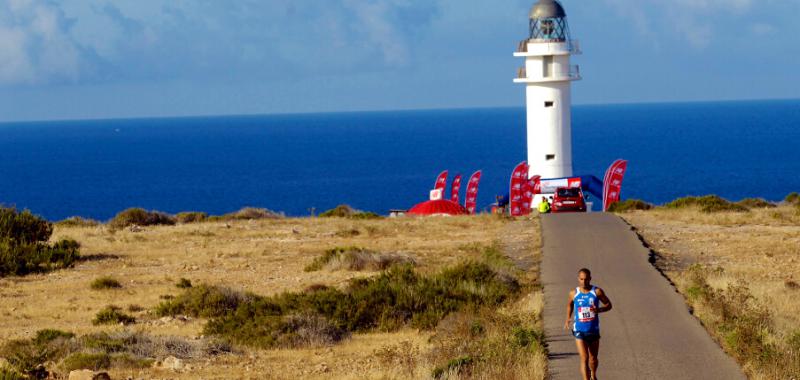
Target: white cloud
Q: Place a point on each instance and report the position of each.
(693, 20)
(35, 44)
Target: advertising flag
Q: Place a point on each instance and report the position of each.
(518, 178)
(612, 183)
(471, 200)
(455, 187)
(441, 181)
(528, 190)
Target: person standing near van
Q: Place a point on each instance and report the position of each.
(544, 206)
(582, 312)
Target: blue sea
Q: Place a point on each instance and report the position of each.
(378, 161)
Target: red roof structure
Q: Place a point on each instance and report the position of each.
(438, 207)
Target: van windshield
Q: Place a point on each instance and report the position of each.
(571, 192)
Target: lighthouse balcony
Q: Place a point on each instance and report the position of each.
(569, 73)
(541, 47)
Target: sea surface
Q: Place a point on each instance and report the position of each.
(378, 161)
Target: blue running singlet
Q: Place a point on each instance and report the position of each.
(585, 307)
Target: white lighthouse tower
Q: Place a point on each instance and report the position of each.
(548, 77)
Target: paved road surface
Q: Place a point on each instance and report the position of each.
(649, 334)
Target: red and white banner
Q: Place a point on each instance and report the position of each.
(441, 181)
(612, 183)
(471, 200)
(455, 187)
(529, 188)
(518, 178)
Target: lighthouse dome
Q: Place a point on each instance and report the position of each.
(547, 9)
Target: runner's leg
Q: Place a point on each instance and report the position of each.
(594, 349)
(583, 350)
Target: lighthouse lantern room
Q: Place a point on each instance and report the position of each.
(548, 77)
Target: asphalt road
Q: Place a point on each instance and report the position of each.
(649, 333)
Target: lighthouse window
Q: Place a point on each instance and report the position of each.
(550, 157)
(548, 104)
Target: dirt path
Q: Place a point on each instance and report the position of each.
(649, 334)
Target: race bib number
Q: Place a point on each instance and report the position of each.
(586, 314)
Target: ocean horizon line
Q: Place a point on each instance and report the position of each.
(382, 111)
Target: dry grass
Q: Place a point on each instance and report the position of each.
(759, 249)
(261, 256)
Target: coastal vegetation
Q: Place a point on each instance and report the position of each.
(345, 211)
(55, 353)
(357, 315)
(739, 272)
(24, 246)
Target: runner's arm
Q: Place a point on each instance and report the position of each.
(570, 306)
(604, 299)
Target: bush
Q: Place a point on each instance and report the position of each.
(24, 248)
(140, 217)
(249, 213)
(49, 335)
(184, 283)
(204, 301)
(752, 203)
(396, 297)
(105, 283)
(340, 211)
(629, 205)
(77, 221)
(793, 198)
(708, 204)
(10, 374)
(23, 227)
(356, 259)
(97, 351)
(112, 315)
(345, 211)
(82, 360)
(191, 217)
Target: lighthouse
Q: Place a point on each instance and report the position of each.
(548, 77)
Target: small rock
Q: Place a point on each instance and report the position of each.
(135, 228)
(172, 363)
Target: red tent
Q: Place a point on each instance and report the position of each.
(438, 207)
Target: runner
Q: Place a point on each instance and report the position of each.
(585, 301)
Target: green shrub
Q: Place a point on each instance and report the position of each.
(629, 205)
(112, 315)
(752, 203)
(10, 374)
(459, 365)
(398, 296)
(49, 335)
(250, 213)
(184, 283)
(204, 301)
(345, 211)
(191, 217)
(365, 215)
(24, 248)
(140, 217)
(707, 203)
(356, 259)
(77, 221)
(793, 198)
(101, 283)
(23, 227)
(340, 211)
(529, 339)
(83, 360)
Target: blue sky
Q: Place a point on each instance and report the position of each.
(132, 58)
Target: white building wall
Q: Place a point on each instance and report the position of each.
(549, 129)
